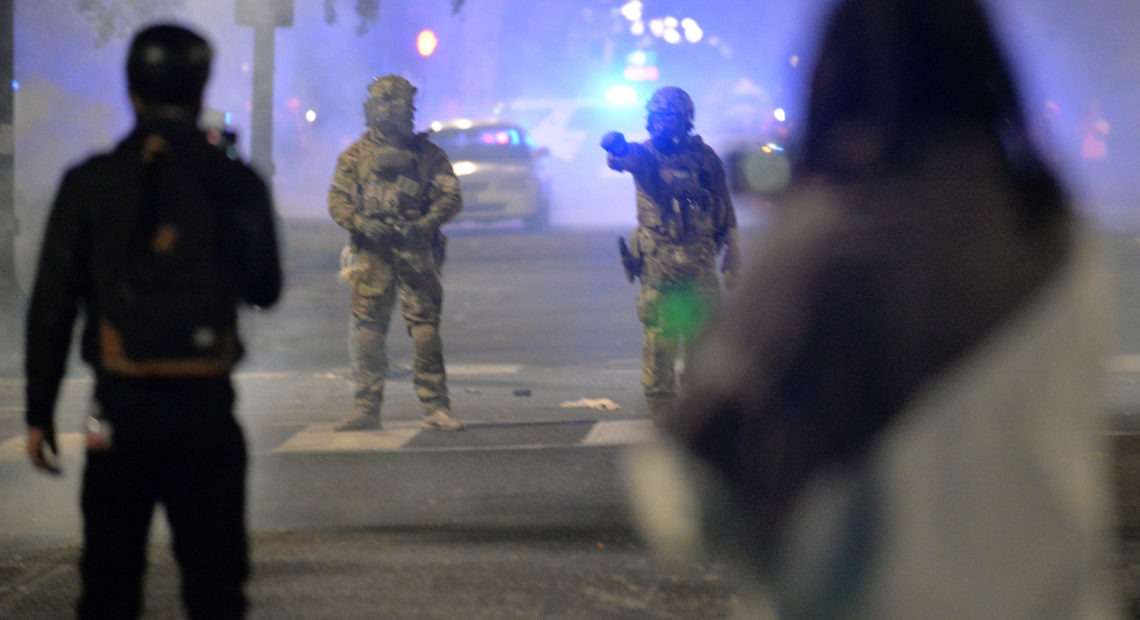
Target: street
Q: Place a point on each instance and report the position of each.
(531, 322)
(522, 515)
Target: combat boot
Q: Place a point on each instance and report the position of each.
(441, 419)
(358, 422)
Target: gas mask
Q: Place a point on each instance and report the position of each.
(670, 116)
(389, 108)
(667, 126)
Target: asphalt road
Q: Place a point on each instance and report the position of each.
(532, 325)
(522, 515)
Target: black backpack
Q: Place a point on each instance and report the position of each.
(171, 310)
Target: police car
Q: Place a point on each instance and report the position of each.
(502, 174)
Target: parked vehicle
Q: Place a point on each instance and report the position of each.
(502, 174)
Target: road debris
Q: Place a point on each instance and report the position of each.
(601, 404)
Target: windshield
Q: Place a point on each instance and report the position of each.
(484, 144)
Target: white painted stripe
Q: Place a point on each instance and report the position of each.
(279, 375)
(622, 371)
(457, 370)
(396, 435)
(322, 438)
(18, 382)
(15, 449)
(620, 433)
(1123, 364)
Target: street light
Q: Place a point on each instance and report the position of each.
(426, 42)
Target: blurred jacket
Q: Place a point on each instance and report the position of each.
(94, 202)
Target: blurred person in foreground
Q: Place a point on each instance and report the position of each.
(685, 221)
(896, 415)
(162, 428)
(392, 191)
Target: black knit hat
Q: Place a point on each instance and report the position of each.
(168, 64)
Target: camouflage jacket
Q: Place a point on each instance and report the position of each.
(403, 185)
(684, 210)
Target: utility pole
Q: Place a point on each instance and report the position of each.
(11, 298)
(8, 222)
(265, 16)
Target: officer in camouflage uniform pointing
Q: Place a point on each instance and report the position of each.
(392, 191)
(685, 220)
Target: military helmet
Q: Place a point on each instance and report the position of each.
(168, 64)
(391, 87)
(671, 100)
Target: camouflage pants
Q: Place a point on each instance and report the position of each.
(672, 315)
(421, 298)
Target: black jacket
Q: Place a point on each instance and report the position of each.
(94, 205)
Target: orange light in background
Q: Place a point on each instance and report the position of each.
(426, 43)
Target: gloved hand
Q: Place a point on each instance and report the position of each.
(417, 230)
(614, 143)
(375, 230)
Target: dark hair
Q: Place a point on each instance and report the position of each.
(891, 71)
(168, 64)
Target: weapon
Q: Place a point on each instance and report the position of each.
(629, 262)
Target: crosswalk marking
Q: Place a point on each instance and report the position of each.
(619, 432)
(395, 436)
(453, 369)
(472, 370)
(1122, 364)
(322, 438)
(15, 448)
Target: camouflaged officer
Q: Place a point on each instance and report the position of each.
(392, 191)
(685, 222)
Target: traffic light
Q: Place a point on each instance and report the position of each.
(426, 42)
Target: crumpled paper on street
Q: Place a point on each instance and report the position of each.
(601, 404)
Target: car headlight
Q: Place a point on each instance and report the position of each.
(464, 168)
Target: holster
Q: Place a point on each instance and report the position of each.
(439, 248)
(630, 262)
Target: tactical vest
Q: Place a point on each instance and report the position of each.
(686, 210)
(678, 216)
(392, 183)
